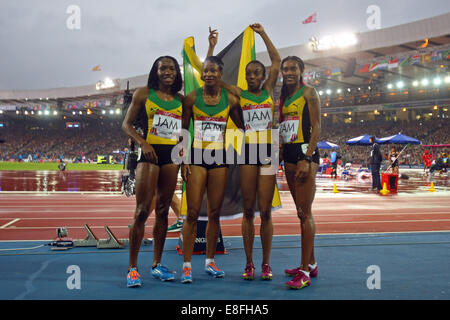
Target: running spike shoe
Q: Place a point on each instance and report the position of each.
(249, 272)
(212, 270)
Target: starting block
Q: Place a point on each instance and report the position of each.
(90, 241)
(111, 243)
(64, 243)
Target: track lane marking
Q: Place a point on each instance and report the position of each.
(9, 223)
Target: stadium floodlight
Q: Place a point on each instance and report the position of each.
(39, 112)
(339, 90)
(105, 84)
(341, 40)
(111, 111)
(348, 89)
(424, 82)
(447, 79)
(25, 112)
(118, 111)
(81, 112)
(328, 91)
(437, 81)
(17, 111)
(46, 112)
(415, 83)
(55, 113)
(103, 111)
(73, 112)
(389, 86)
(320, 92)
(400, 84)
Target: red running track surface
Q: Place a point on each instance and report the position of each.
(37, 216)
(36, 213)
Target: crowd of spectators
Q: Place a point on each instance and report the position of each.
(428, 132)
(29, 140)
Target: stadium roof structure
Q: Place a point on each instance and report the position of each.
(407, 52)
(377, 46)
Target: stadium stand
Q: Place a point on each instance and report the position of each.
(388, 82)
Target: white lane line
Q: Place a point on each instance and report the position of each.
(9, 223)
(257, 224)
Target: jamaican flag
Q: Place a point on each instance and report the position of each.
(235, 57)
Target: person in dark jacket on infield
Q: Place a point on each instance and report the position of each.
(375, 163)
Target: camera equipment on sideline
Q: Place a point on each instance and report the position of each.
(130, 161)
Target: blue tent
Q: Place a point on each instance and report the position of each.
(399, 139)
(361, 140)
(327, 145)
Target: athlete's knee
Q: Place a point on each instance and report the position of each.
(192, 216)
(248, 212)
(265, 215)
(141, 214)
(162, 209)
(214, 215)
(303, 214)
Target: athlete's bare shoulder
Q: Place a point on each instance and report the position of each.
(140, 94)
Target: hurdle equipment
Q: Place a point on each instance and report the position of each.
(90, 241)
(111, 243)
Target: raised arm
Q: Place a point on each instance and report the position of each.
(212, 39)
(274, 58)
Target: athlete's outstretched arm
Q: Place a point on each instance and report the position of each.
(212, 39)
(274, 58)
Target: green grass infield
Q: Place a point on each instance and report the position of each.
(54, 166)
